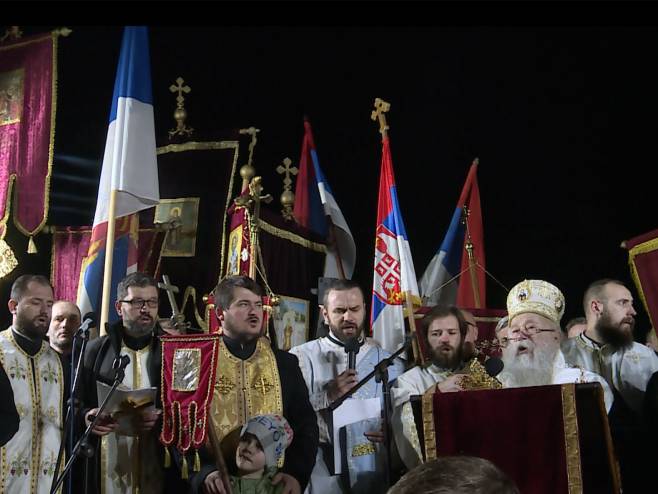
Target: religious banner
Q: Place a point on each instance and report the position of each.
(28, 74)
(643, 263)
(183, 214)
(189, 365)
(70, 247)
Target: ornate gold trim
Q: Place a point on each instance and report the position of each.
(643, 248)
(571, 442)
(292, 237)
(196, 146)
(428, 425)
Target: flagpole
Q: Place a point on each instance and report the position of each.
(109, 257)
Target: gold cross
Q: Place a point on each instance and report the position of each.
(262, 385)
(180, 89)
(287, 170)
(224, 385)
(381, 107)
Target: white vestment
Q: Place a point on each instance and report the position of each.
(125, 459)
(321, 361)
(626, 370)
(415, 381)
(28, 460)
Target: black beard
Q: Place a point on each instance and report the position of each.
(612, 334)
(339, 334)
(447, 362)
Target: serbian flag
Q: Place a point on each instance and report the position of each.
(316, 209)
(452, 261)
(129, 167)
(394, 274)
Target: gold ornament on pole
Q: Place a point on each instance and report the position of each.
(381, 108)
(288, 196)
(180, 114)
(248, 171)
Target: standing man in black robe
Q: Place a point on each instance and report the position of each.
(253, 378)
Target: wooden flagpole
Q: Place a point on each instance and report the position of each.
(109, 257)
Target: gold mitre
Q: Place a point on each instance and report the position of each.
(536, 296)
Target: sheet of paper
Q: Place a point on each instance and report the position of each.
(124, 404)
(350, 411)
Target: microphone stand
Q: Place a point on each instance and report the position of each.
(69, 428)
(120, 364)
(380, 372)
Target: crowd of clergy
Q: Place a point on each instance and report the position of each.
(284, 439)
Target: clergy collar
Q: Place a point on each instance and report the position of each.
(136, 342)
(29, 345)
(240, 350)
(331, 337)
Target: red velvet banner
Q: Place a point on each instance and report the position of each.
(522, 431)
(189, 364)
(71, 246)
(643, 262)
(27, 115)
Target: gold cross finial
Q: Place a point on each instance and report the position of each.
(287, 197)
(287, 170)
(180, 114)
(248, 171)
(180, 89)
(381, 107)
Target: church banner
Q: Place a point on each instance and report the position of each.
(27, 129)
(643, 263)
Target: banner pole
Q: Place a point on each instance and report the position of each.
(109, 257)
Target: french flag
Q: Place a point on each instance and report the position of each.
(316, 209)
(129, 167)
(448, 278)
(394, 275)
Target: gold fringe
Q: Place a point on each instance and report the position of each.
(292, 237)
(167, 459)
(31, 246)
(183, 472)
(197, 461)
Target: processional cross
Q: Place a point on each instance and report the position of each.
(180, 114)
(176, 316)
(381, 108)
(287, 197)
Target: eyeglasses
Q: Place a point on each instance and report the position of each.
(530, 330)
(138, 303)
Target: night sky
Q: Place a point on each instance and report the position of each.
(562, 120)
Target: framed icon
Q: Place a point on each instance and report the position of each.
(290, 320)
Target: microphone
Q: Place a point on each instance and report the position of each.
(352, 347)
(89, 321)
(493, 366)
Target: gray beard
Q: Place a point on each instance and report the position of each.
(136, 330)
(520, 371)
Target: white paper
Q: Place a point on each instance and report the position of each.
(350, 411)
(124, 404)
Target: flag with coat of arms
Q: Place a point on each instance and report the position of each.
(394, 277)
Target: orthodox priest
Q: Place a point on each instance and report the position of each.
(131, 463)
(254, 379)
(324, 364)
(38, 387)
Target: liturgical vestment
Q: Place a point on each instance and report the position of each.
(321, 361)
(37, 379)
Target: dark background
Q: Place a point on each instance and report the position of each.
(562, 120)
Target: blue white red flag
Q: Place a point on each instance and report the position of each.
(129, 167)
(394, 274)
(451, 261)
(316, 209)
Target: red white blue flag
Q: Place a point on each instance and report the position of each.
(394, 274)
(129, 167)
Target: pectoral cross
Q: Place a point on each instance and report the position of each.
(381, 107)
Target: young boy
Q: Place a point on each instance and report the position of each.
(263, 440)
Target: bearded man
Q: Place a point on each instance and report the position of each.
(445, 331)
(34, 387)
(532, 355)
(324, 365)
(607, 348)
(129, 463)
